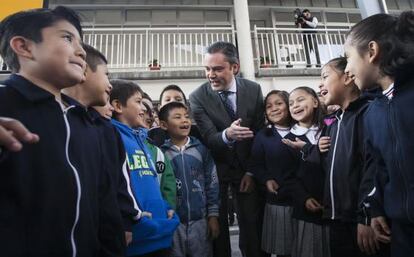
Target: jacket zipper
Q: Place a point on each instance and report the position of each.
(401, 173)
(331, 187)
(185, 182)
(77, 179)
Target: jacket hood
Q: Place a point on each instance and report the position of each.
(168, 145)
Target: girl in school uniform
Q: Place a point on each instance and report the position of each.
(380, 52)
(273, 164)
(311, 235)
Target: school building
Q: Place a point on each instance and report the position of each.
(161, 42)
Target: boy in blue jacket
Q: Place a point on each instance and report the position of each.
(152, 236)
(197, 184)
(55, 195)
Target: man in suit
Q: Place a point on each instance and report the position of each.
(228, 111)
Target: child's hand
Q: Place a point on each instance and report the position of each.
(170, 214)
(324, 144)
(128, 237)
(146, 214)
(213, 228)
(13, 133)
(272, 186)
(381, 229)
(313, 205)
(366, 240)
(247, 184)
(297, 144)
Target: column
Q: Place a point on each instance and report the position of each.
(244, 39)
(371, 7)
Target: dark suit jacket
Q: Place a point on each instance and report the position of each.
(212, 119)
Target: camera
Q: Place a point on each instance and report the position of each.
(298, 16)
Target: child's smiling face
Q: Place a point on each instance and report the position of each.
(332, 85)
(302, 107)
(277, 111)
(360, 66)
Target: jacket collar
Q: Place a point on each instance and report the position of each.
(191, 142)
(141, 133)
(29, 90)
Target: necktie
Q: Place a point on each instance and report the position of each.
(224, 95)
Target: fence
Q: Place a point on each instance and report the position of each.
(286, 48)
(138, 49)
(169, 48)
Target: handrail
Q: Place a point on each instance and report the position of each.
(157, 29)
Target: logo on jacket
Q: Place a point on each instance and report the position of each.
(160, 166)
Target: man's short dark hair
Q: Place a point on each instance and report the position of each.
(166, 109)
(228, 49)
(93, 57)
(122, 90)
(29, 24)
(305, 10)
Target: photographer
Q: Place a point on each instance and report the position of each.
(307, 21)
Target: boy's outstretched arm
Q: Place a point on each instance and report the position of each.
(13, 133)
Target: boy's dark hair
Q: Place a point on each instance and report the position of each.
(285, 97)
(319, 112)
(166, 109)
(146, 96)
(175, 88)
(122, 90)
(93, 57)
(305, 10)
(227, 49)
(338, 64)
(29, 24)
(395, 37)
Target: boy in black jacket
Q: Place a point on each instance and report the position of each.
(56, 196)
(94, 91)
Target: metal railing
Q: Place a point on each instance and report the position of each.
(287, 48)
(133, 49)
(136, 49)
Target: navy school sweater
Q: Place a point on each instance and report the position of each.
(55, 196)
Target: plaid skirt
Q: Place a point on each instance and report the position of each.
(310, 240)
(277, 235)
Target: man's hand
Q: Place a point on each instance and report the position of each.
(238, 133)
(247, 184)
(272, 186)
(324, 144)
(366, 240)
(312, 205)
(13, 133)
(381, 229)
(213, 228)
(170, 214)
(297, 144)
(128, 237)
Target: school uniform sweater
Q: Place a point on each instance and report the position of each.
(309, 179)
(389, 134)
(271, 159)
(55, 195)
(348, 177)
(115, 162)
